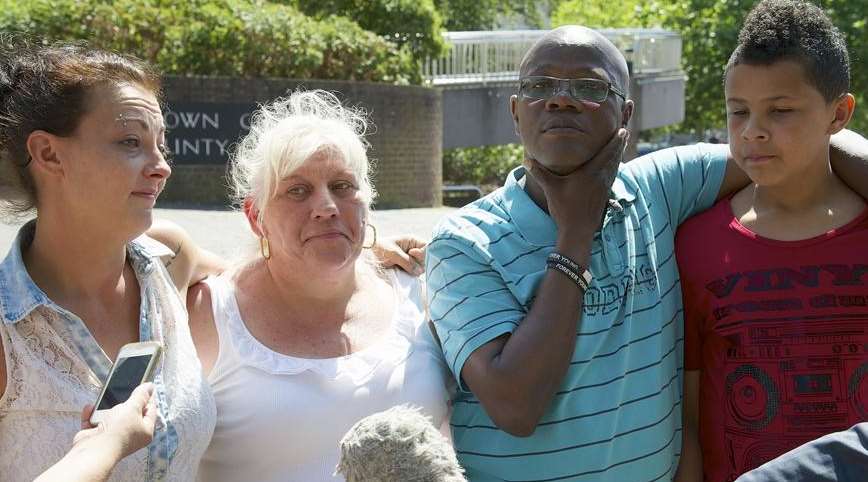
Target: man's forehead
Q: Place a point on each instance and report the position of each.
(578, 48)
(569, 64)
(574, 35)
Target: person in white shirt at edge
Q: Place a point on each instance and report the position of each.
(310, 335)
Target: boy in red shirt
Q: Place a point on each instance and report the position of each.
(775, 278)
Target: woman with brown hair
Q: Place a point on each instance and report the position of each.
(81, 143)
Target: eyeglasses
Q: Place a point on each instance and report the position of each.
(584, 90)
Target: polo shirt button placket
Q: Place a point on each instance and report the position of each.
(611, 251)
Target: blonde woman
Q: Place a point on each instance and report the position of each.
(310, 335)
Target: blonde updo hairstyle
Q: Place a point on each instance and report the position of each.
(287, 132)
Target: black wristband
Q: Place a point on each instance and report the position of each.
(578, 279)
(559, 258)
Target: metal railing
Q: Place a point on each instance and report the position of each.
(495, 56)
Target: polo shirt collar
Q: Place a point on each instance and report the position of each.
(535, 225)
(620, 192)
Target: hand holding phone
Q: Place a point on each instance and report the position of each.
(95, 451)
(136, 364)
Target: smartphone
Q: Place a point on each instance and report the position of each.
(136, 364)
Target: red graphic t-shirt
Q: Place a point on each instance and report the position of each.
(779, 330)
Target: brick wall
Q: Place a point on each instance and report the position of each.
(406, 143)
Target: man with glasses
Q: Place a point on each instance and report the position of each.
(556, 298)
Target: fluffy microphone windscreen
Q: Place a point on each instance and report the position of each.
(397, 445)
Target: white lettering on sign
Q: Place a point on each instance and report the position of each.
(245, 121)
(192, 120)
(202, 146)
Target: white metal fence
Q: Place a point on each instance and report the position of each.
(494, 56)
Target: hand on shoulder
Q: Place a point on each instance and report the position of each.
(405, 252)
(202, 327)
(189, 264)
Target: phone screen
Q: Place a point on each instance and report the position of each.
(125, 378)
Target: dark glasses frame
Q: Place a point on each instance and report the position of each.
(571, 84)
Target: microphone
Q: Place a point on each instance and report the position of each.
(397, 445)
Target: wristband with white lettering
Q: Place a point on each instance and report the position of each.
(559, 258)
(583, 280)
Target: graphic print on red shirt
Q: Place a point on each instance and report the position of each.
(779, 330)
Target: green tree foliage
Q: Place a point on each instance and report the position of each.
(598, 14)
(481, 166)
(251, 38)
(415, 24)
(709, 30)
(461, 15)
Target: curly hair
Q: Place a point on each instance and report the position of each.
(397, 445)
(796, 30)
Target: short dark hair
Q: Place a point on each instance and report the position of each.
(776, 30)
(46, 88)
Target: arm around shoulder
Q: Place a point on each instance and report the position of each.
(687, 179)
(734, 179)
(849, 158)
(202, 327)
(190, 263)
(848, 155)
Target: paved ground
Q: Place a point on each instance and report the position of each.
(226, 232)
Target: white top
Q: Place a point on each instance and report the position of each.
(281, 417)
(55, 367)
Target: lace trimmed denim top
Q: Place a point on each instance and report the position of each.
(55, 366)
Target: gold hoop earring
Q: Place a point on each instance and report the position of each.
(264, 248)
(374, 229)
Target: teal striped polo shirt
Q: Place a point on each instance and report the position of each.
(617, 414)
